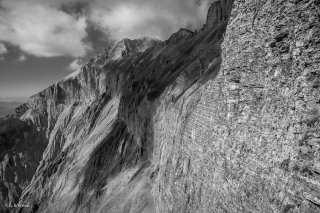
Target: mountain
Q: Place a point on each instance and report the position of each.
(127, 46)
(225, 119)
(7, 108)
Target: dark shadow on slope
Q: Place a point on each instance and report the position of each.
(117, 152)
(195, 57)
(21, 149)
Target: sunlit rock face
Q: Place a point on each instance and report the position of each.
(128, 46)
(248, 140)
(220, 120)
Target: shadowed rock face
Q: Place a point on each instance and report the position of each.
(21, 148)
(223, 120)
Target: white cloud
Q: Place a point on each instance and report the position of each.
(3, 49)
(126, 21)
(133, 19)
(41, 30)
(22, 58)
(75, 65)
(202, 10)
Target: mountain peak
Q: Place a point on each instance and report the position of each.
(128, 46)
(180, 34)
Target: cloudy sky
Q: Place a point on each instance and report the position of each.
(41, 41)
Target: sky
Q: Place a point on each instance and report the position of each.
(42, 41)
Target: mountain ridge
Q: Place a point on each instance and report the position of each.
(120, 85)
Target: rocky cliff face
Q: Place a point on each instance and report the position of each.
(250, 143)
(223, 120)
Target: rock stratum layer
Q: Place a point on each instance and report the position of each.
(223, 120)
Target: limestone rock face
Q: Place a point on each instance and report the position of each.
(223, 120)
(250, 143)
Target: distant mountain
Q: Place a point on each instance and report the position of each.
(8, 107)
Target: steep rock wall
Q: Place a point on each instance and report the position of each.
(250, 142)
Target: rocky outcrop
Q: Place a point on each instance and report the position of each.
(179, 36)
(219, 11)
(223, 120)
